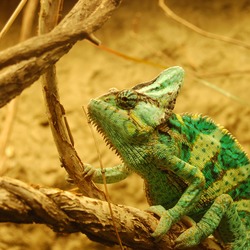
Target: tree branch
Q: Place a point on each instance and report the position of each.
(28, 60)
(67, 212)
(56, 114)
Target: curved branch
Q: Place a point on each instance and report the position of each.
(29, 59)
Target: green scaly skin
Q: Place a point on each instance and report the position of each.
(190, 165)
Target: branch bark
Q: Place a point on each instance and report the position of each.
(67, 212)
(26, 61)
(56, 114)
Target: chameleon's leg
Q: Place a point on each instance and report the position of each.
(112, 174)
(187, 201)
(223, 216)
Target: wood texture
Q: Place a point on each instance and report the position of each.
(21, 65)
(67, 212)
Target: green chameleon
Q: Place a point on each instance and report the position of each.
(190, 165)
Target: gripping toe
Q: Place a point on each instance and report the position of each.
(165, 222)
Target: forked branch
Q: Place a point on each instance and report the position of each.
(26, 61)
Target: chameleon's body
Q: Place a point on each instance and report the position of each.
(190, 165)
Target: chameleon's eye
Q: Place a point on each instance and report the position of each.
(127, 99)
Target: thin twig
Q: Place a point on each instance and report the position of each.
(107, 196)
(197, 76)
(31, 58)
(224, 92)
(200, 31)
(131, 58)
(12, 18)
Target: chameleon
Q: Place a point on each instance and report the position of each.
(190, 165)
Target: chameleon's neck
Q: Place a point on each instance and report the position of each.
(141, 157)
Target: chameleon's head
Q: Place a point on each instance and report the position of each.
(132, 114)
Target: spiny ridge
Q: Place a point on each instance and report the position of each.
(102, 133)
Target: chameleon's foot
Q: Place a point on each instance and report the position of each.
(222, 212)
(89, 171)
(194, 235)
(191, 237)
(165, 222)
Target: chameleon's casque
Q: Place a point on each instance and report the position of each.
(190, 165)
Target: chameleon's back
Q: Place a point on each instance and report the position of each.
(223, 162)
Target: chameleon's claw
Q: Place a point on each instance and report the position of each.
(191, 237)
(89, 171)
(165, 222)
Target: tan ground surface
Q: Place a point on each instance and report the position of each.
(139, 29)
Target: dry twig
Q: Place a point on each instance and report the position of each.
(200, 31)
(12, 18)
(28, 60)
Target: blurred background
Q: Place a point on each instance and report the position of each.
(141, 31)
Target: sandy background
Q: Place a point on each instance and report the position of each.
(141, 30)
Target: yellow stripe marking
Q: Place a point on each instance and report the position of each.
(205, 147)
(243, 205)
(230, 179)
